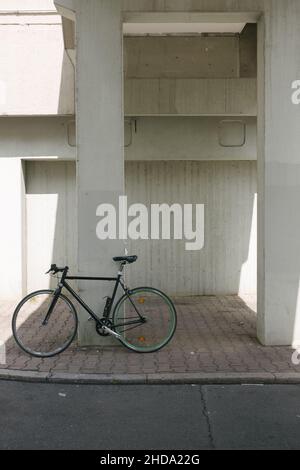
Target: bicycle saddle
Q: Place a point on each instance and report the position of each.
(125, 259)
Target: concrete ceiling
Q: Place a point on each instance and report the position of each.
(181, 28)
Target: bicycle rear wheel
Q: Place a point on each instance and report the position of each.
(146, 320)
(41, 340)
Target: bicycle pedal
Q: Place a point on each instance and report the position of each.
(111, 332)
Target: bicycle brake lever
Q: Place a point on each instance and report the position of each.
(52, 269)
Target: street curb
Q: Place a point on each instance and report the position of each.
(214, 378)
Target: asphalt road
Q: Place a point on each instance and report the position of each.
(44, 416)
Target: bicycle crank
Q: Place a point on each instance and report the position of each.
(105, 329)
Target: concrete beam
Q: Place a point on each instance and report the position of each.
(66, 8)
(208, 138)
(191, 17)
(37, 138)
(190, 97)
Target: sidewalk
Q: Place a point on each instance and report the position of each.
(216, 337)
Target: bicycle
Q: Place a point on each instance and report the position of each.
(45, 323)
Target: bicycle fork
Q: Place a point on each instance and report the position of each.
(56, 296)
(52, 306)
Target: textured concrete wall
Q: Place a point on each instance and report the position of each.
(227, 263)
(191, 97)
(189, 76)
(149, 5)
(181, 57)
(196, 5)
(182, 138)
(211, 56)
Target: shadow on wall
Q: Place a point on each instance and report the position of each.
(66, 103)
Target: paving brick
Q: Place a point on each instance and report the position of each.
(215, 334)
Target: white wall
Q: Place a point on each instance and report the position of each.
(27, 5)
(36, 75)
(51, 219)
(12, 226)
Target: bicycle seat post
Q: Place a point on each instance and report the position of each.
(122, 266)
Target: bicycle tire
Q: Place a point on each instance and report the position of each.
(165, 314)
(27, 330)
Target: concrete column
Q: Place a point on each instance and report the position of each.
(12, 284)
(100, 143)
(279, 175)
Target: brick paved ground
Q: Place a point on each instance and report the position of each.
(215, 334)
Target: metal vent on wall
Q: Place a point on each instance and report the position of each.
(232, 133)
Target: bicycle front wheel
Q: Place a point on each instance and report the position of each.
(39, 339)
(146, 320)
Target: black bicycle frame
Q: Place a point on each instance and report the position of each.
(107, 311)
(117, 280)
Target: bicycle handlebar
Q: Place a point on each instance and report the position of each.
(54, 269)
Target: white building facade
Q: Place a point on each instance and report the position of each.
(184, 101)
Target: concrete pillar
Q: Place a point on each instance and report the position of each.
(100, 144)
(12, 284)
(279, 175)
